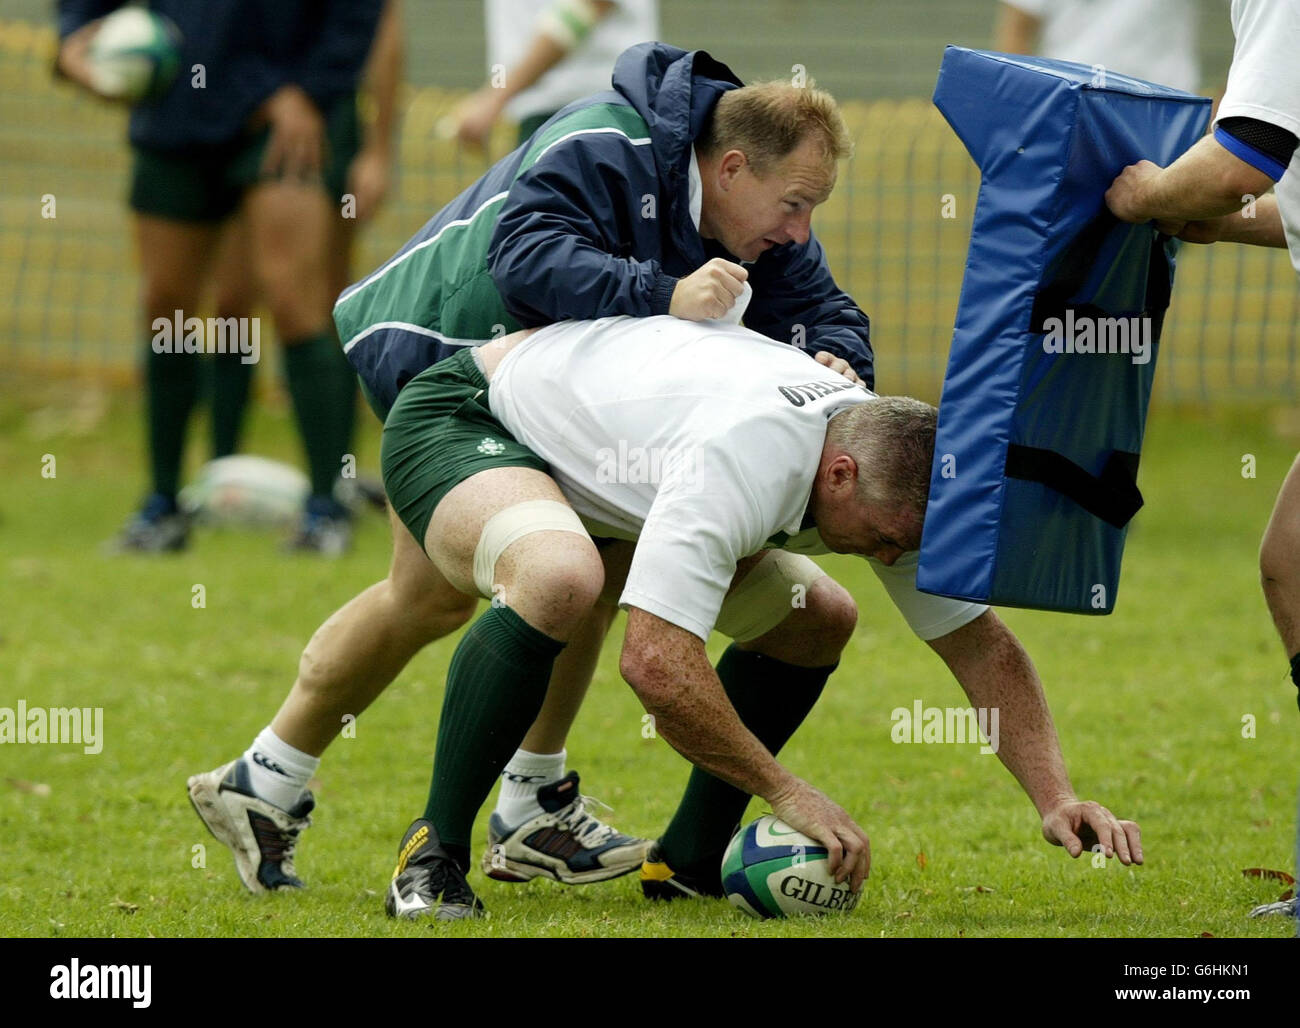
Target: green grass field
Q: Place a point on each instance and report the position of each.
(1149, 704)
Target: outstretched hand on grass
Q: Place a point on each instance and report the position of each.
(1080, 826)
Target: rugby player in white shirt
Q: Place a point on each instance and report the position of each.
(759, 450)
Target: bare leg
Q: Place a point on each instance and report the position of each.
(570, 679)
(813, 635)
(174, 260)
(499, 676)
(363, 646)
(289, 228)
(575, 666)
(289, 224)
(1279, 562)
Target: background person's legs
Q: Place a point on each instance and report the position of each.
(174, 259)
(235, 296)
(289, 227)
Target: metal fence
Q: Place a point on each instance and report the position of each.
(68, 286)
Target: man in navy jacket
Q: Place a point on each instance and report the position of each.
(609, 209)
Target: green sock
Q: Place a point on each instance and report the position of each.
(323, 387)
(495, 687)
(171, 388)
(772, 699)
(231, 380)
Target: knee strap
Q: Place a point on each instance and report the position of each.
(509, 525)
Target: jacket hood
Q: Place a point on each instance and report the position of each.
(674, 90)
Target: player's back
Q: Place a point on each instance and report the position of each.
(622, 407)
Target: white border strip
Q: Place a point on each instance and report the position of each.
(404, 326)
(639, 141)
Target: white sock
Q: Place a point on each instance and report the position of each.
(523, 776)
(280, 773)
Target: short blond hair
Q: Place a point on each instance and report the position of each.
(891, 438)
(767, 121)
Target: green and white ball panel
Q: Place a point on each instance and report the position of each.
(135, 54)
(771, 870)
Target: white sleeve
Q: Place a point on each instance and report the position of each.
(1264, 80)
(698, 527)
(929, 616)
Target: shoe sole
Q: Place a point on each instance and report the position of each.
(458, 912)
(212, 813)
(443, 912)
(515, 872)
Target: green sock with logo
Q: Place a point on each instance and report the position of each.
(495, 688)
(772, 699)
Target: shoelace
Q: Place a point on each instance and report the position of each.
(455, 889)
(282, 847)
(590, 831)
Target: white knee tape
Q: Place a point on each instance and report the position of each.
(766, 596)
(509, 525)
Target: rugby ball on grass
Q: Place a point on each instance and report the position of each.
(771, 870)
(244, 491)
(134, 55)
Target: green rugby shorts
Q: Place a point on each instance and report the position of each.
(439, 433)
(207, 183)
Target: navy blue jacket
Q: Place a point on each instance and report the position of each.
(248, 49)
(589, 218)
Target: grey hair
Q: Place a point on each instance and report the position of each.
(891, 438)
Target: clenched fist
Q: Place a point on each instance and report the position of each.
(708, 292)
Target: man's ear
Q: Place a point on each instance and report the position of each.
(730, 167)
(841, 472)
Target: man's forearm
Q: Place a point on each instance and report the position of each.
(1205, 182)
(383, 75)
(1016, 31)
(672, 676)
(997, 674)
(545, 53)
(1262, 228)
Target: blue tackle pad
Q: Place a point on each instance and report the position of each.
(1053, 352)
